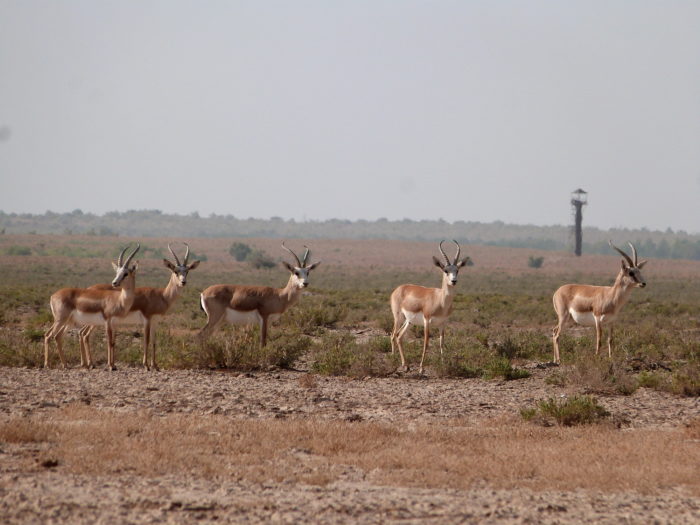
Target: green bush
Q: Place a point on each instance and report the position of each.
(242, 351)
(240, 251)
(502, 367)
(535, 262)
(575, 410)
(341, 355)
(18, 250)
(259, 259)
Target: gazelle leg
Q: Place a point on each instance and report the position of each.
(598, 334)
(556, 332)
(146, 342)
(398, 323)
(50, 334)
(426, 338)
(399, 336)
(442, 337)
(152, 330)
(83, 336)
(610, 341)
(110, 347)
(213, 322)
(263, 331)
(59, 345)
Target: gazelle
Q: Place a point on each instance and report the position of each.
(148, 303)
(589, 305)
(413, 304)
(80, 306)
(246, 305)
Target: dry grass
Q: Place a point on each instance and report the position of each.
(503, 454)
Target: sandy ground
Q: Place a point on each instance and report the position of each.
(50, 496)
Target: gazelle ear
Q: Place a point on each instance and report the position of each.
(115, 267)
(314, 265)
(193, 265)
(135, 266)
(288, 266)
(169, 265)
(437, 262)
(640, 265)
(624, 264)
(464, 262)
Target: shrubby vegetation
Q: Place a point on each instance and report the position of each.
(154, 223)
(500, 329)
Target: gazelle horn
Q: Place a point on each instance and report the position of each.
(447, 261)
(187, 253)
(294, 254)
(627, 257)
(121, 256)
(459, 250)
(634, 253)
(177, 261)
(138, 247)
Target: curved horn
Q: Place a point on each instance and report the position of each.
(138, 247)
(177, 261)
(447, 261)
(634, 253)
(187, 253)
(121, 256)
(627, 257)
(294, 254)
(305, 257)
(459, 250)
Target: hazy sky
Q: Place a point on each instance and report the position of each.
(464, 110)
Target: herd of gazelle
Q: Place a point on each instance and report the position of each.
(120, 302)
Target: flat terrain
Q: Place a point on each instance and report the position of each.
(280, 445)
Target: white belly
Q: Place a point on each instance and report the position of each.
(417, 318)
(82, 318)
(587, 319)
(130, 318)
(236, 317)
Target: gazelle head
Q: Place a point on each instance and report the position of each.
(450, 269)
(300, 272)
(631, 267)
(180, 270)
(122, 267)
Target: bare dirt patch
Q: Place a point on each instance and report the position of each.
(287, 446)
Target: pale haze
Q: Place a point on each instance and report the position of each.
(463, 110)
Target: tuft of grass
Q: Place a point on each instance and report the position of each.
(243, 351)
(341, 355)
(502, 367)
(571, 411)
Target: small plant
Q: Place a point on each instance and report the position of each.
(501, 367)
(341, 355)
(240, 251)
(535, 262)
(19, 250)
(259, 259)
(575, 410)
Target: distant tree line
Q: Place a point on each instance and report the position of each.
(154, 223)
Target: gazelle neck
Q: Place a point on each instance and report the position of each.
(447, 291)
(128, 285)
(291, 292)
(172, 291)
(621, 289)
